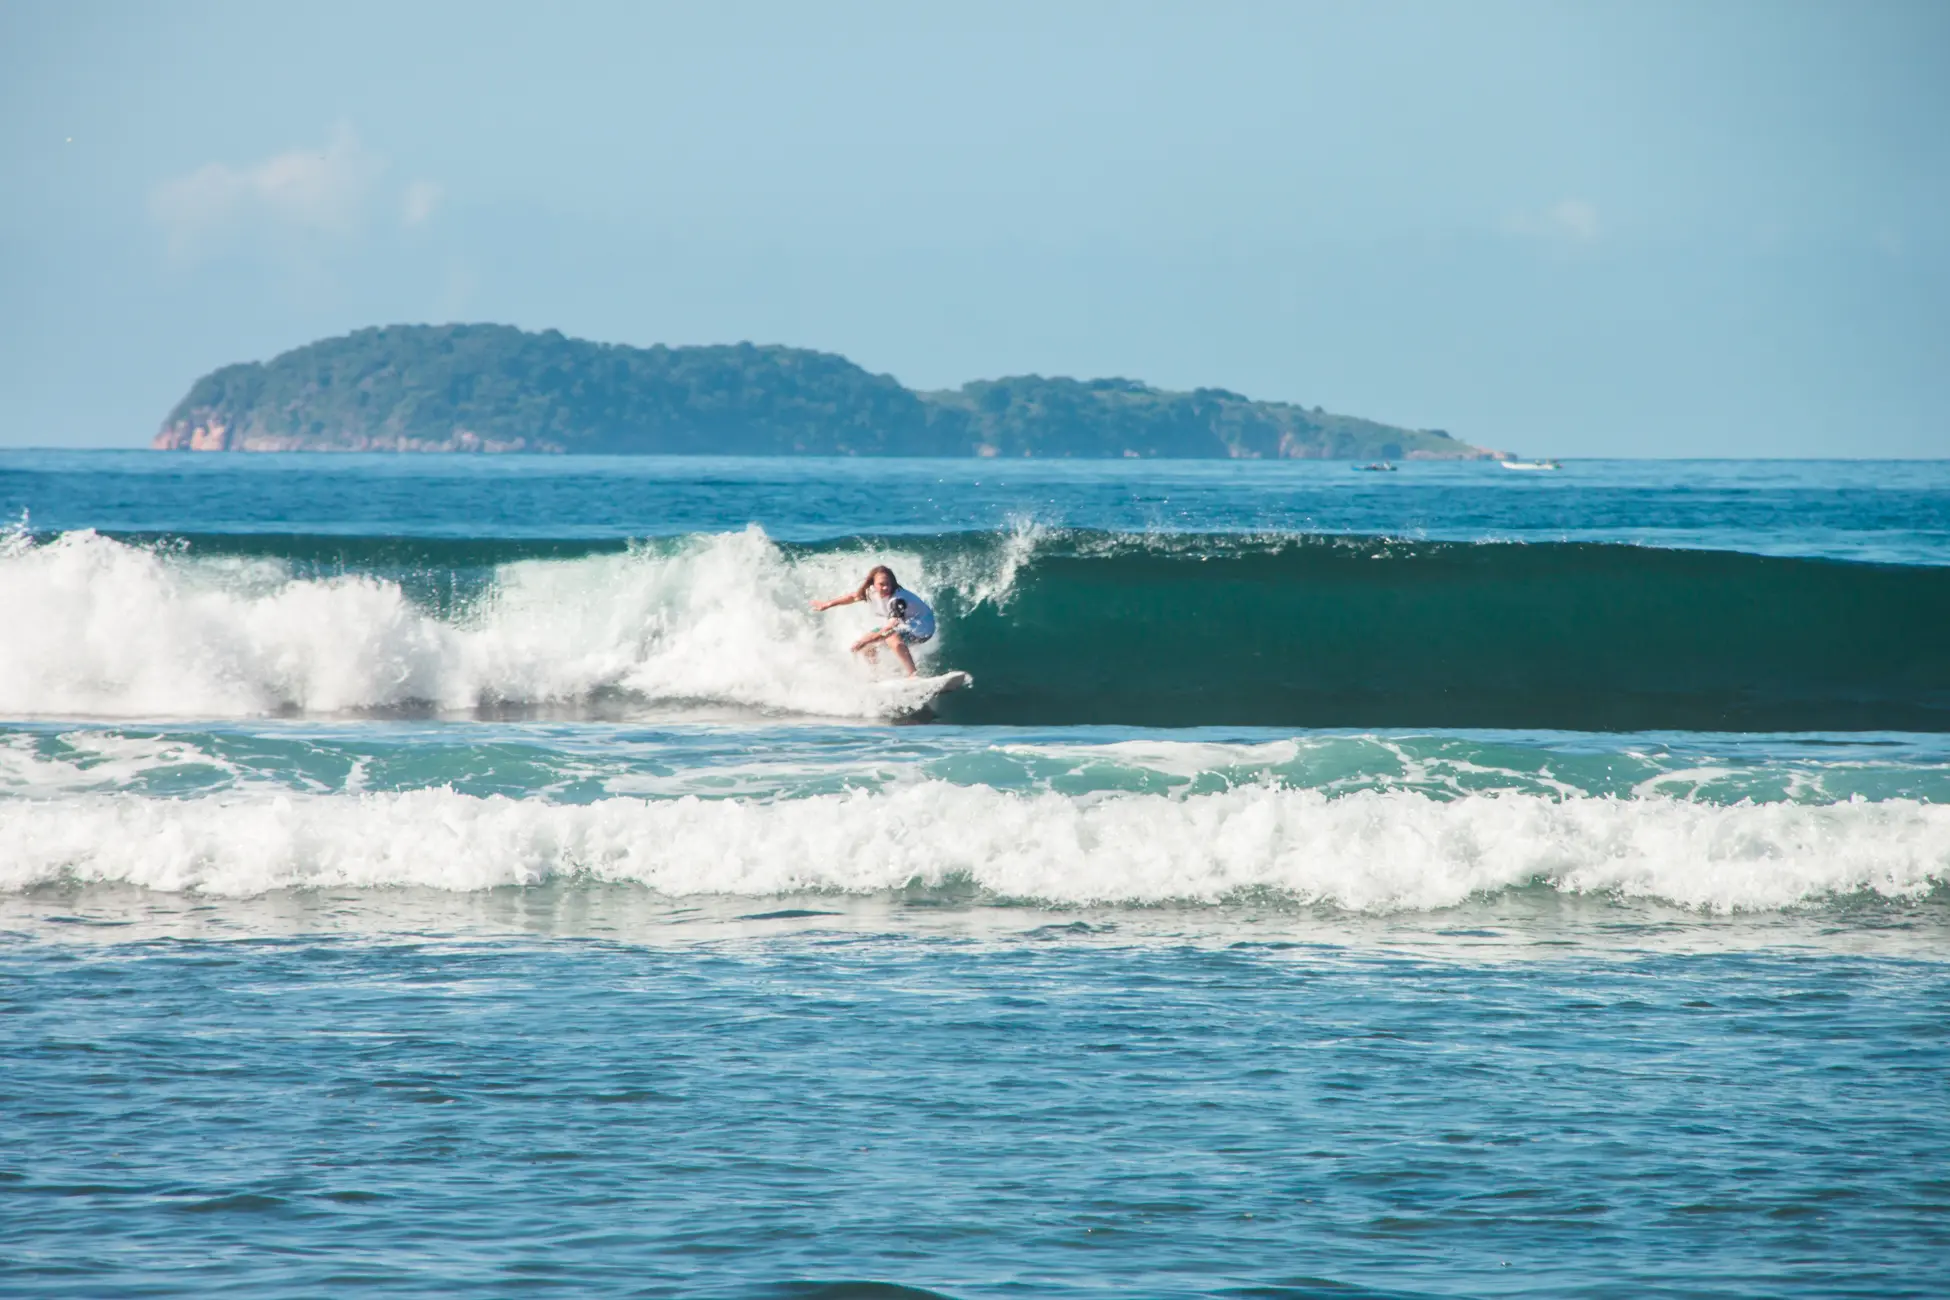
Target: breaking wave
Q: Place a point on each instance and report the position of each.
(1370, 851)
(107, 628)
(1056, 627)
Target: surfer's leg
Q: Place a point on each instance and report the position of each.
(899, 645)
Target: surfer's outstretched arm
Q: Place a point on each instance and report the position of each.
(859, 593)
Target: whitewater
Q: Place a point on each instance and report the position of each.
(1366, 852)
(110, 628)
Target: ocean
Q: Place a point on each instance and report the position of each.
(435, 874)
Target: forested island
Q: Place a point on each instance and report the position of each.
(495, 388)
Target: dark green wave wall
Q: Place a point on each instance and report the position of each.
(1581, 637)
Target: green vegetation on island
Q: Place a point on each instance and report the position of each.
(494, 388)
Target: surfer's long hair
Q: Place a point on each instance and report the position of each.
(873, 573)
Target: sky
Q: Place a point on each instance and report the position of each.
(1591, 229)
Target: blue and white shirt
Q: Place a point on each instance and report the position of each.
(906, 608)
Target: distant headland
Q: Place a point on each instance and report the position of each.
(495, 388)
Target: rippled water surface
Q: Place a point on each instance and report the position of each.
(1055, 1114)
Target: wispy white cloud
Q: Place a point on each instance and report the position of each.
(322, 190)
(418, 203)
(1568, 221)
(297, 200)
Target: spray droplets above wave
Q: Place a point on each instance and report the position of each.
(104, 627)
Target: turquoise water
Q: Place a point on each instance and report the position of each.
(420, 875)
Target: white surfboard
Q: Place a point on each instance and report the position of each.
(910, 695)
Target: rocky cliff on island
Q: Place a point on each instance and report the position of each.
(494, 388)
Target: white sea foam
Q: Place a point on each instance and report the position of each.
(102, 628)
(1370, 851)
(99, 760)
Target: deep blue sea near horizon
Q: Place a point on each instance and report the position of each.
(424, 875)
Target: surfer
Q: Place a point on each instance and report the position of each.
(909, 620)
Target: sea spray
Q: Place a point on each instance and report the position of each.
(108, 628)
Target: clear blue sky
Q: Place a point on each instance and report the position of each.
(1576, 229)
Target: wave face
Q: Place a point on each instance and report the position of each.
(1057, 628)
(1339, 633)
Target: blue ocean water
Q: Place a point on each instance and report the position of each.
(428, 874)
(1895, 511)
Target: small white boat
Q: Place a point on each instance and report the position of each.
(1379, 467)
(1530, 464)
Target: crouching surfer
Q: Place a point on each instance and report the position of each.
(908, 620)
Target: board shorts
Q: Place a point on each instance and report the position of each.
(913, 635)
